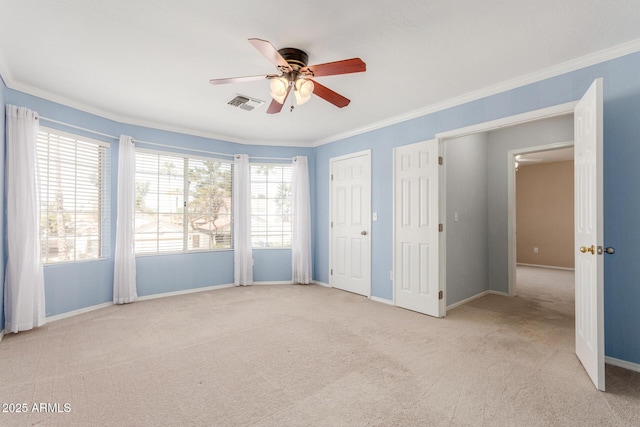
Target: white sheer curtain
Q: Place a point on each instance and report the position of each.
(24, 276)
(242, 254)
(301, 239)
(124, 275)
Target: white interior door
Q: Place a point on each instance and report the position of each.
(351, 223)
(589, 234)
(416, 249)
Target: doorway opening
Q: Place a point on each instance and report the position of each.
(541, 212)
(543, 229)
(479, 200)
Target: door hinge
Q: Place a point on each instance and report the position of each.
(332, 271)
(331, 224)
(440, 160)
(440, 295)
(331, 177)
(441, 227)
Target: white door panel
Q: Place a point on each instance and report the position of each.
(589, 270)
(350, 224)
(416, 249)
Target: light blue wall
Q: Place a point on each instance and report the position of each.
(621, 197)
(468, 237)
(3, 261)
(74, 286)
(171, 273)
(271, 265)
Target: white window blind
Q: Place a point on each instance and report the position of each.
(270, 205)
(182, 203)
(74, 181)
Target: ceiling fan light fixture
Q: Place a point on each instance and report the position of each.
(278, 88)
(303, 90)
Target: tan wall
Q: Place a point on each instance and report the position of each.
(544, 214)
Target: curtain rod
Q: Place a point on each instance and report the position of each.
(155, 143)
(209, 152)
(79, 128)
(182, 148)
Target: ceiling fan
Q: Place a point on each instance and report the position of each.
(521, 159)
(295, 74)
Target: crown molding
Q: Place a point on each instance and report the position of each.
(556, 70)
(68, 102)
(5, 75)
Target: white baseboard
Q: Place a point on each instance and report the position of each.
(76, 312)
(480, 295)
(553, 267)
(155, 296)
(326, 285)
(185, 291)
(502, 294)
(464, 301)
(622, 364)
(382, 300)
(273, 283)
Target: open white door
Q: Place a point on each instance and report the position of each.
(589, 233)
(416, 250)
(351, 223)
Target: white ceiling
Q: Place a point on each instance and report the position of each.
(149, 62)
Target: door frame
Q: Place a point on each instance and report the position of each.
(518, 119)
(511, 204)
(332, 160)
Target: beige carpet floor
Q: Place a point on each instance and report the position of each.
(308, 355)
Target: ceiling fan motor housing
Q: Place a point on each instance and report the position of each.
(296, 58)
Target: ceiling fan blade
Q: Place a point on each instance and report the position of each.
(275, 106)
(270, 52)
(241, 79)
(347, 66)
(329, 95)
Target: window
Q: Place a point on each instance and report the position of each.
(74, 177)
(270, 205)
(182, 203)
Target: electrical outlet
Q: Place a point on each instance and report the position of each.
(535, 250)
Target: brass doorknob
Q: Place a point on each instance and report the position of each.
(585, 249)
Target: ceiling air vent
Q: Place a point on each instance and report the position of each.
(245, 102)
